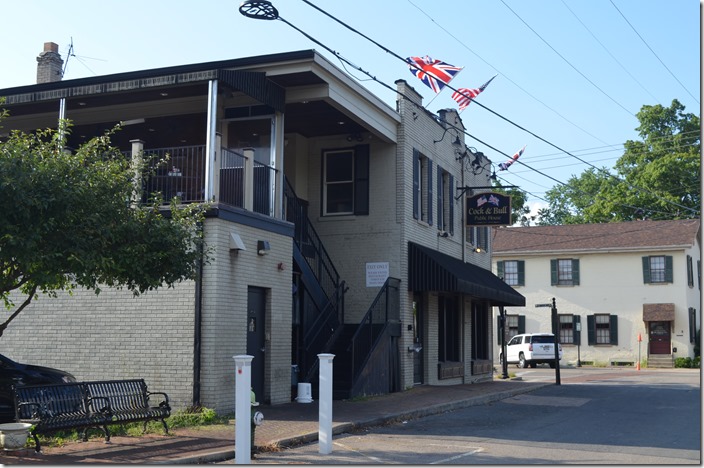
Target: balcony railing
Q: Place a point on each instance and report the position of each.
(180, 172)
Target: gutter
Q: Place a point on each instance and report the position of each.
(197, 328)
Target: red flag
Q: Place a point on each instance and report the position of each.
(505, 165)
(464, 96)
(434, 73)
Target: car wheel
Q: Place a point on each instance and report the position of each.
(522, 361)
(533, 365)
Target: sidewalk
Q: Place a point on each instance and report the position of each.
(284, 425)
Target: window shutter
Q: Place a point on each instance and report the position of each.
(690, 272)
(500, 269)
(646, 270)
(553, 272)
(575, 272)
(416, 183)
(668, 269)
(361, 180)
(430, 192)
(441, 208)
(521, 324)
(576, 335)
(591, 330)
(613, 329)
(521, 273)
(692, 325)
(451, 201)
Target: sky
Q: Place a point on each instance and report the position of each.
(571, 74)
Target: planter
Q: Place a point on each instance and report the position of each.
(13, 436)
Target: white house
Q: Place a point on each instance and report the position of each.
(623, 291)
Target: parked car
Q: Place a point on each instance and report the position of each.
(531, 349)
(13, 373)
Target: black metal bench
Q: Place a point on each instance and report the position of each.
(57, 407)
(129, 401)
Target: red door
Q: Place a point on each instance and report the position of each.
(659, 334)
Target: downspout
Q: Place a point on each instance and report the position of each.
(197, 326)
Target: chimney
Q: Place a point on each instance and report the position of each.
(49, 64)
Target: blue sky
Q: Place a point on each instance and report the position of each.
(572, 72)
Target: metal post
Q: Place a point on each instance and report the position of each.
(243, 404)
(325, 404)
(504, 364)
(556, 334)
(579, 342)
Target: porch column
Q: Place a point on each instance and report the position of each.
(210, 142)
(248, 185)
(277, 187)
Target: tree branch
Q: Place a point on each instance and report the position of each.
(4, 325)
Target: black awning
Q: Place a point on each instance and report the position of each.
(429, 270)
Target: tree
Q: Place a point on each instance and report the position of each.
(519, 209)
(70, 220)
(658, 177)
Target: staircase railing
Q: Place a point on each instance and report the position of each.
(384, 308)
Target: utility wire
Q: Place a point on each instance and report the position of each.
(651, 50)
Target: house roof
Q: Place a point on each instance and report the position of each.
(632, 235)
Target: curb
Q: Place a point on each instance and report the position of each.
(223, 455)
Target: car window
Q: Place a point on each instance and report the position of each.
(543, 339)
(515, 340)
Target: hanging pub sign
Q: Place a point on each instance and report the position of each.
(489, 209)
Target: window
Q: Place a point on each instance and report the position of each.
(448, 329)
(515, 325)
(446, 200)
(569, 329)
(690, 272)
(564, 272)
(512, 271)
(422, 187)
(478, 237)
(480, 325)
(346, 181)
(657, 269)
(692, 325)
(602, 329)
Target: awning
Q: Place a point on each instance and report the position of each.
(429, 270)
(658, 312)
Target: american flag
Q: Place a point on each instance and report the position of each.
(434, 73)
(464, 96)
(505, 165)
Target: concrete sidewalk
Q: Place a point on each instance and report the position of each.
(284, 425)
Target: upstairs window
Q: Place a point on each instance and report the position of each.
(446, 215)
(657, 269)
(564, 272)
(346, 181)
(512, 271)
(422, 187)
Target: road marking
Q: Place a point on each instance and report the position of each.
(350, 449)
(546, 401)
(462, 455)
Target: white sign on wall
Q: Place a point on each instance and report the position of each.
(377, 273)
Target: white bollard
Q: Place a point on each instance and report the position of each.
(243, 409)
(325, 404)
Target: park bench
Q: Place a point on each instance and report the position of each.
(56, 407)
(85, 405)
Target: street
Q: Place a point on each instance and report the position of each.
(596, 416)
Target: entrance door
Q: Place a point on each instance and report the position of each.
(256, 346)
(417, 339)
(659, 337)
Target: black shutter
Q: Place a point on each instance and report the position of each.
(576, 334)
(500, 269)
(451, 201)
(591, 330)
(575, 271)
(361, 180)
(668, 269)
(521, 324)
(430, 192)
(521, 273)
(416, 182)
(690, 272)
(439, 190)
(613, 329)
(646, 270)
(553, 272)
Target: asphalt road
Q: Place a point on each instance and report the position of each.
(596, 416)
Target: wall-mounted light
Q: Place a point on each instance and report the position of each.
(443, 234)
(263, 247)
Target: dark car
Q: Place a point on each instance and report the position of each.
(13, 373)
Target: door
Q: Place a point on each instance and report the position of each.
(659, 337)
(417, 347)
(256, 345)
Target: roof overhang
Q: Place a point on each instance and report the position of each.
(658, 312)
(430, 270)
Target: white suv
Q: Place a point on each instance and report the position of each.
(532, 349)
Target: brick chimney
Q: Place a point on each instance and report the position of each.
(49, 64)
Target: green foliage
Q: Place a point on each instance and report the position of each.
(519, 209)
(72, 219)
(687, 362)
(656, 178)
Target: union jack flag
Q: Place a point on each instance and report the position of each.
(464, 96)
(505, 165)
(434, 73)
